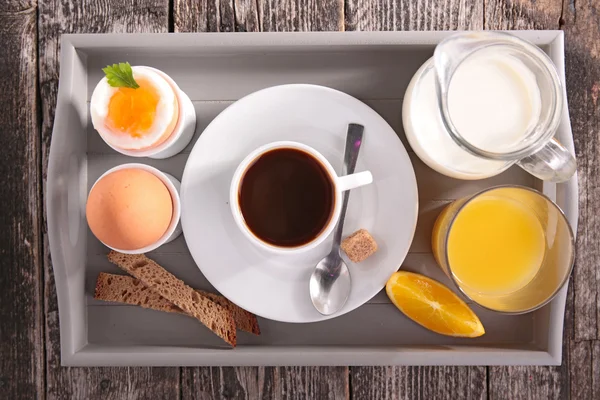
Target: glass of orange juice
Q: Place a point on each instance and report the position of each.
(508, 248)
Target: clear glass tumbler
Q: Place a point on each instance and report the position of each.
(507, 248)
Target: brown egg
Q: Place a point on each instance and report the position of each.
(129, 209)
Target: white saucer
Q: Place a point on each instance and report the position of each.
(276, 287)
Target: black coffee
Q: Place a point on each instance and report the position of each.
(286, 197)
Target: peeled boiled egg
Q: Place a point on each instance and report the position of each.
(135, 119)
(129, 209)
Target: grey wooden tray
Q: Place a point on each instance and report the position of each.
(215, 70)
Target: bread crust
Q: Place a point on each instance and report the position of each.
(214, 316)
(129, 290)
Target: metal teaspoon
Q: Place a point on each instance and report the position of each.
(330, 282)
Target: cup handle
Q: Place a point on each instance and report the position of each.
(353, 181)
(553, 163)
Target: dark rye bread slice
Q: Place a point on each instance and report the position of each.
(244, 320)
(212, 315)
(127, 289)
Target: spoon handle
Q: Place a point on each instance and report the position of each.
(354, 139)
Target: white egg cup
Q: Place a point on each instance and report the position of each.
(173, 185)
(182, 133)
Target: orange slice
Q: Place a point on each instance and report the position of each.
(432, 305)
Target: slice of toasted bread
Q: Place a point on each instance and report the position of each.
(244, 320)
(212, 315)
(127, 289)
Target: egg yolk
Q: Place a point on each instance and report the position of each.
(132, 111)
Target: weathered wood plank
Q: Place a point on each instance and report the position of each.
(225, 15)
(582, 29)
(418, 383)
(522, 14)
(190, 16)
(527, 383)
(265, 383)
(303, 15)
(21, 302)
(17, 6)
(596, 370)
(580, 359)
(255, 16)
(63, 16)
(246, 16)
(216, 16)
(408, 15)
(113, 383)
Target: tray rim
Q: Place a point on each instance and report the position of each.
(75, 352)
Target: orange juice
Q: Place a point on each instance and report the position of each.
(496, 246)
(508, 248)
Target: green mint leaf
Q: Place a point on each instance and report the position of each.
(120, 75)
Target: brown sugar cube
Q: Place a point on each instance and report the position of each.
(359, 246)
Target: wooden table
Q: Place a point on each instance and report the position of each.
(29, 334)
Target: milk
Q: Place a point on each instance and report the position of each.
(493, 101)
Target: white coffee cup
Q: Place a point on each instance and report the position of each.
(340, 184)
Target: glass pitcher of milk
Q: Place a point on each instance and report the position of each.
(483, 102)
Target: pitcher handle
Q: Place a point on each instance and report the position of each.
(553, 163)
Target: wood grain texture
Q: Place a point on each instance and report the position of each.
(205, 16)
(265, 383)
(411, 15)
(221, 15)
(21, 302)
(580, 358)
(246, 16)
(595, 370)
(418, 383)
(582, 29)
(301, 15)
(190, 16)
(63, 16)
(255, 16)
(522, 14)
(15, 6)
(109, 383)
(512, 383)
